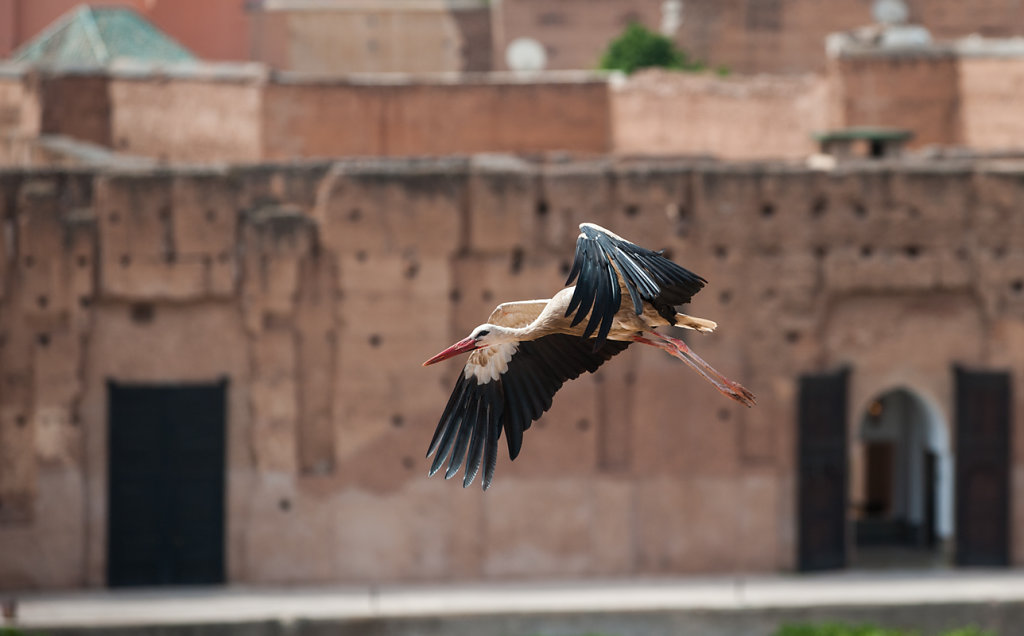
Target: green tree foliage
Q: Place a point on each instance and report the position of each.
(639, 47)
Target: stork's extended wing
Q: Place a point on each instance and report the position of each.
(507, 387)
(517, 313)
(602, 259)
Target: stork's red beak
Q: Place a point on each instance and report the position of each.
(462, 346)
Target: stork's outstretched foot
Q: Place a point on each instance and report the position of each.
(679, 349)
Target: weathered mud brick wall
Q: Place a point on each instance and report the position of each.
(317, 289)
(987, 93)
(333, 117)
(19, 115)
(374, 39)
(770, 36)
(915, 89)
(48, 262)
(657, 112)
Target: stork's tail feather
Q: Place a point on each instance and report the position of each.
(697, 324)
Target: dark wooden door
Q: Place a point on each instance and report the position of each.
(822, 471)
(166, 484)
(982, 468)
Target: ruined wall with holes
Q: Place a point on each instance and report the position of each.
(317, 290)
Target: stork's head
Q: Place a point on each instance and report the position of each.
(483, 336)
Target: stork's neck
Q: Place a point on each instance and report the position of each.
(515, 334)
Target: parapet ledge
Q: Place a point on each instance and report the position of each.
(241, 72)
(402, 166)
(443, 78)
(495, 162)
(980, 46)
(10, 69)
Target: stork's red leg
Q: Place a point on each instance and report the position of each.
(679, 349)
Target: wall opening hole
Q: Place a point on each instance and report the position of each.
(767, 210)
(411, 270)
(725, 296)
(866, 251)
(43, 339)
(721, 251)
(792, 336)
(542, 208)
(42, 301)
(516, 263)
(455, 295)
(397, 420)
(632, 210)
(912, 251)
(819, 207)
(375, 340)
(142, 313)
(355, 214)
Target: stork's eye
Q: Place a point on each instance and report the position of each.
(481, 334)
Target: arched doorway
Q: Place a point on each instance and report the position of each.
(901, 488)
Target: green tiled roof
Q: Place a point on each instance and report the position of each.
(89, 37)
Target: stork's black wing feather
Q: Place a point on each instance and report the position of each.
(476, 414)
(601, 257)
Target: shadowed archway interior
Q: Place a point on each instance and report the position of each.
(901, 483)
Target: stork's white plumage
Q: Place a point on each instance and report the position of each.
(526, 350)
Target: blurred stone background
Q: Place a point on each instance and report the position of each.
(262, 220)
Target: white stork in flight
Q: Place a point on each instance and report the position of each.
(527, 349)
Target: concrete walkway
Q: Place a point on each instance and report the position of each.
(743, 605)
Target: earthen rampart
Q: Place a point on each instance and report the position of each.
(316, 289)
